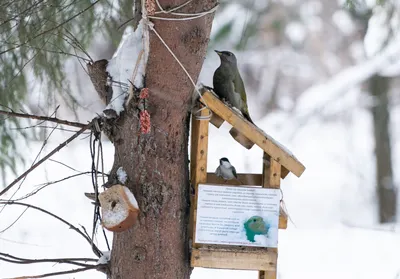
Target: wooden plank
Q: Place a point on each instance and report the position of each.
(245, 179)
(216, 120)
(265, 142)
(198, 164)
(271, 179)
(267, 274)
(283, 219)
(274, 175)
(235, 258)
(240, 138)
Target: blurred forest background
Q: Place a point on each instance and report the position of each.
(321, 76)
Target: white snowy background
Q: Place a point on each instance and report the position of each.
(334, 231)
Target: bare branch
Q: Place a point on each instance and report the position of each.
(60, 272)
(44, 185)
(97, 251)
(43, 118)
(15, 221)
(45, 158)
(75, 261)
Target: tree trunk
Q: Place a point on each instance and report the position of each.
(387, 194)
(157, 164)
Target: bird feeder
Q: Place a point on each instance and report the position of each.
(277, 163)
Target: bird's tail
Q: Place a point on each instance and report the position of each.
(238, 180)
(246, 115)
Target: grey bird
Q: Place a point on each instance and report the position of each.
(226, 170)
(228, 83)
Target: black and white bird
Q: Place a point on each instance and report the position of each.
(226, 170)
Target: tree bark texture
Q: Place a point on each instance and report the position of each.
(386, 191)
(157, 163)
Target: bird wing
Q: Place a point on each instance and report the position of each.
(234, 172)
(238, 87)
(218, 172)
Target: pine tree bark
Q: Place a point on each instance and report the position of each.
(386, 191)
(157, 164)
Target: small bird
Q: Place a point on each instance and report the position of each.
(255, 226)
(228, 84)
(98, 75)
(226, 170)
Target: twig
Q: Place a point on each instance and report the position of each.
(18, 260)
(65, 165)
(37, 156)
(15, 221)
(87, 126)
(44, 185)
(44, 118)
(59, 273)
(44, 127)
(55, 216)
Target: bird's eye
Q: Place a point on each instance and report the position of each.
(229, 53)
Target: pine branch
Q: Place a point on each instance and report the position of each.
(50, 29)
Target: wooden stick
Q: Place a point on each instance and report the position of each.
(271, 179)
(198, 163)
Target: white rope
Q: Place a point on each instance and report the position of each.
(172, 10)
(189, 16)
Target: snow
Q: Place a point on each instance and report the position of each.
(335, 190)
(344, 22)
(296, 32)
(121, 175)
(123, 63)
(332, 205)
(321, 95)
(115, 216)
(105, 258)
(378, 31)
(131, 197)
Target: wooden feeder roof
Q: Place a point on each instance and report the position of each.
(270, 146)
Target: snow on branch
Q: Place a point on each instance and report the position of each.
(105, 258)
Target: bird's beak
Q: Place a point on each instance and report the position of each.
(218, 52)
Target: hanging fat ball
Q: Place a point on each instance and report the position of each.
(228, 84)
(225, 170)
(98, 75)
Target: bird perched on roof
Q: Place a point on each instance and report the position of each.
(226, 170)
(228, 83)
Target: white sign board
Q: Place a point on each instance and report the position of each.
(245, 216)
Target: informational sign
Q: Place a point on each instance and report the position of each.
(234, 215)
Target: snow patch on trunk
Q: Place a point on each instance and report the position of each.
(128, 64)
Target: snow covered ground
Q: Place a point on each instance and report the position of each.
(333, 233)
(332, 205)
